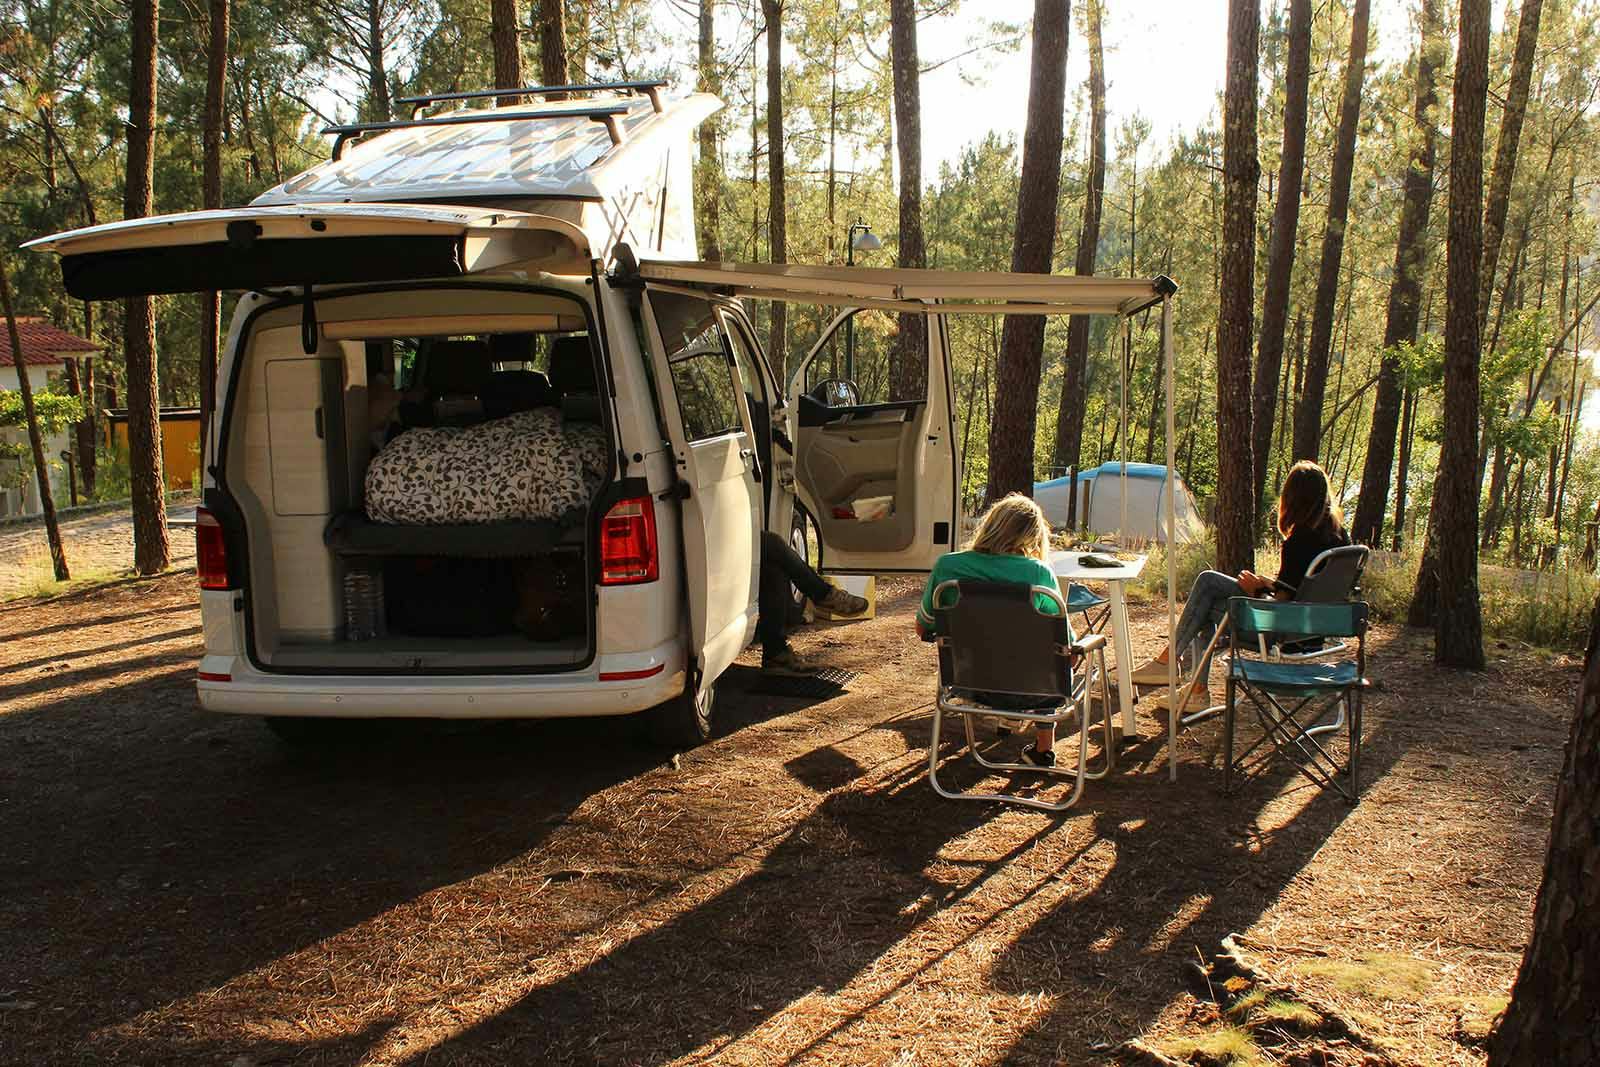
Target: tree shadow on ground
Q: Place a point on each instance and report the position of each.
(156, 852)
(854, 879)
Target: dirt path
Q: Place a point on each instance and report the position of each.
(98, 543)
(180, 888)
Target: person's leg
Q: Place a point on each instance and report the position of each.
(1208, 601)
(773, 603)
(776, 554)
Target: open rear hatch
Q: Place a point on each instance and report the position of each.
(265, 248)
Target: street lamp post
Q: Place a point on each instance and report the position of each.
(862, 237)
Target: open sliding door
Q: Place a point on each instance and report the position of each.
(713, 446)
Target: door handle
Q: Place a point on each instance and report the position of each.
(319, 423)
(755, 466)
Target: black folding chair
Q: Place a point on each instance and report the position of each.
(995, 640)
(1334, 577)
(1290, 700)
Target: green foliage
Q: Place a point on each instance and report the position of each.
(55, 411)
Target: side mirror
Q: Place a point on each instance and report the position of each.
(837, 393)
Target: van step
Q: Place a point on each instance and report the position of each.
(827, 682)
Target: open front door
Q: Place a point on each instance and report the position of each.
(875, 459)
(719, 472)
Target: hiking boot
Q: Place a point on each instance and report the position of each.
(840, 602)
(787, 662)
(1043, 760)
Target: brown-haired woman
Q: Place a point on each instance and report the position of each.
(1011, 545)
(1310, 523)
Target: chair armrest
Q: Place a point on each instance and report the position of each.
(1088, 644)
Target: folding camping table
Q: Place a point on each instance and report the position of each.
(1069, 568)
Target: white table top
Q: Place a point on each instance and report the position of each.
(1067, 565)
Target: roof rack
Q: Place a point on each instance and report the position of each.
(652, 89)
(604, 115)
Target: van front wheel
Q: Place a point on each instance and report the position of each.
(684, 721)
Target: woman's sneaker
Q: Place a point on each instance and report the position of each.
(841, 602)
(1031, 755)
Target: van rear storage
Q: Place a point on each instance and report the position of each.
(422, 498)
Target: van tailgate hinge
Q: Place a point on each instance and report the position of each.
(679, 490)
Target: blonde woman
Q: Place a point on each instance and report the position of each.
(1011, 545)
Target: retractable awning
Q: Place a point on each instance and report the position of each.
(908, 289)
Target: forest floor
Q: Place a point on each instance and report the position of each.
(182, 888)
(98, 543)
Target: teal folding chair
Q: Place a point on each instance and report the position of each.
(1290, 701)
(1081, 600)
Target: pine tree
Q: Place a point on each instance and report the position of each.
(1022, 337)
(1241, 170)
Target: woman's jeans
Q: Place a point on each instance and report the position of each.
(1203, 612)
(781, 566)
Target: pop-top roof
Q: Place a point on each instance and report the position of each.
(456, 158)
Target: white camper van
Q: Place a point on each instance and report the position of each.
(483, 270)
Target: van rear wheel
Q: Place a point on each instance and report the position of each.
(685, 721)
(309, 731)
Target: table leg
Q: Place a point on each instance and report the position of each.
(1123, 643)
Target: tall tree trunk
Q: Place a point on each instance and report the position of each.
(1011, 438)
(211, 194)
(1074, 379)
(777, 236)
(507, 52)
(1405, 288)
(41, 466)
(552, 46)
(1241, 169)
(911, 342)
(1505, 155)
(1408, 410)
(1453, 527)
(84, 431)
(1280, 253)
(708, 172)
(150, 550)
(377, 72)
(1308, 414)
(1551, 1018)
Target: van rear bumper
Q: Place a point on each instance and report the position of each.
(619, 684)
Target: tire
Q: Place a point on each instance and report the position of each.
(308, 732)
(683, 722)
(802, 547)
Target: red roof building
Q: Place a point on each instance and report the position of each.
(43, 344)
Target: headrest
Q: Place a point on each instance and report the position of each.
(572, 365)
(511, 347)
(511, 391)
(457, 367)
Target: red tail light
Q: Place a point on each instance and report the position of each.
(628, 543)
(211, 554)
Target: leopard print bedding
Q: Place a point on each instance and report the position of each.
(530, 465)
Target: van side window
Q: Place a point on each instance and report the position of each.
(701, 363)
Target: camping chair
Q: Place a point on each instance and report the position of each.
(1334, 577)
(994, 639)
(1081, 600)
(1289, 700)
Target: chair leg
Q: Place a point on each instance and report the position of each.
(1355, 700)
(1229, 713)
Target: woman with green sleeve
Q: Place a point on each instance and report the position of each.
(1011, 546)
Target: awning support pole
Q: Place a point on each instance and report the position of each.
(1172, 545)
